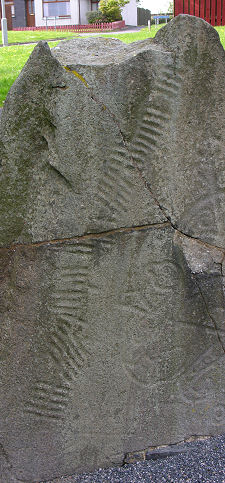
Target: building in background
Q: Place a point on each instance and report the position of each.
(9, 13)
(129, 13)
(31, 13)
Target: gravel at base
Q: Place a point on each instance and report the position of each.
(204, 461)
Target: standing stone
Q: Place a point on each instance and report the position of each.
(112, 250)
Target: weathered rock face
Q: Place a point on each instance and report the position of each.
(112, 239)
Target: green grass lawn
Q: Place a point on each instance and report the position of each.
(145, 34)
(221, 32)
(13, 58)
(24, 36)
(135, 36)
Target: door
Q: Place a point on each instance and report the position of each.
(30, 13)
(8, 14)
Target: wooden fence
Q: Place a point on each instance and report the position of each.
(213, 11)
(93, 27)
(143, 15)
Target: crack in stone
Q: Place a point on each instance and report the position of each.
(146, 183)
(131, 156)
(60, 87)
(104, 107)
(4, 453)
(203, 327)
(86, 236)
(145, 454)
(25, 481)
(220, 266)
(223, 260)
(123, 229)
(201, 242)
(217, 330)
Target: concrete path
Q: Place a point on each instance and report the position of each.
(129, 29)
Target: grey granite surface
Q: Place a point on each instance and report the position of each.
(112, 251)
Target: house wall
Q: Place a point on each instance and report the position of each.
(129, 13)
(85, 6)
(72, 20)
(20, 14)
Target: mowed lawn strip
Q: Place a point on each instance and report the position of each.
(25, 36)
(221, 32)
(143, 34)
(146, 34)
(13, 58)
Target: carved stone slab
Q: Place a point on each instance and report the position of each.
(112, 251)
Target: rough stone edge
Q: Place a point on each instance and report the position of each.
(163, 451)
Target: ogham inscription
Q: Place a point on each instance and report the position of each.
(115, 189)
(149, 135)
(66, 346)
(112, 250)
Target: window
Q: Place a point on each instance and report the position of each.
(8, 2)
(56, 8)
(31, 7)
(94, 4)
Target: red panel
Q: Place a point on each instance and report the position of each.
(186, 6)
(178, 7)
(197, 8)
(218, 13)
(213, 12)
(223, 13)
(192, 7)
(175, 8)
(202, 8)
(207, 12)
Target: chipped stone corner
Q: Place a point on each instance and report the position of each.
(163, 451)
(134, 457)
(200, 256)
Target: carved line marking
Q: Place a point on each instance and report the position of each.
(131, 375)
(154, 119)
(66, 346)
(46, 398)
(43, 414)
(155, 113)
(136, 302)
(116, 187)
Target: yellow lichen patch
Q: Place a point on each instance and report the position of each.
(74, 72)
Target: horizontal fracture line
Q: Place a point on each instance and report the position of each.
(61, 241)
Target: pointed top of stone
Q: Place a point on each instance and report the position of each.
(150, 106)
(185, 31)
